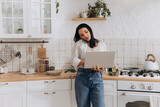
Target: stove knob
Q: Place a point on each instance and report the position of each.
(133, 86)
(142, 86)
(123, 94)
(150, 88)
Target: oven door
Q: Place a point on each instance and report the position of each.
(134, 99)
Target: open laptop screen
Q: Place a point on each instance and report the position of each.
(102, 59)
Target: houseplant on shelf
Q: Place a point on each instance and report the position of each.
(98, 10)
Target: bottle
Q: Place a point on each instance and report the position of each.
(46, 65)
(45, 29)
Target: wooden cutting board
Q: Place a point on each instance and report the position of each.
(42, 52)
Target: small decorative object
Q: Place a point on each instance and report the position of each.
(57, 5)
(98, 10)
(84, 14)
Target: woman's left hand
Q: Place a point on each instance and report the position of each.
(96, 68)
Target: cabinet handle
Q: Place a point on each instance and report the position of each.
(123, 94)
(4, 84)
(29, 36)
(48, 93)
(49, 82)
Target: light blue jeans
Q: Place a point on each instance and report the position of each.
(89, 88)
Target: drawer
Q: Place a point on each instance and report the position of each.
(110, 85)
(19, 86)
(42, 85)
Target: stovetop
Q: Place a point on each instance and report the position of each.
(140, 74)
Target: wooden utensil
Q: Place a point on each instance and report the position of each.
(42, 52)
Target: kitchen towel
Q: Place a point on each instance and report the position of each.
(155, 101)
(7, 54)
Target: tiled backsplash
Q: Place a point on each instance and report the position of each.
(129, 52)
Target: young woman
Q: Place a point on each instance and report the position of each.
(89, 82)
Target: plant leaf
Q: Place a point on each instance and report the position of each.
(57, 5)
(57, 11)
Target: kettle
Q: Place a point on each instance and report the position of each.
(151, 64)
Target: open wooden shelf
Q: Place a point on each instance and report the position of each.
(87, 19)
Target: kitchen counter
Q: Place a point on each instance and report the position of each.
(16, 76)
(108, 77)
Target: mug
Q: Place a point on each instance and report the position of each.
(1, 70)
(23, 70)
(5, 68)
(31, 70)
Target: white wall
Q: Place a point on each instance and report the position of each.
(130, 18)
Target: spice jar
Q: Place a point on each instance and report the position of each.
(42, 66)
(46, 65)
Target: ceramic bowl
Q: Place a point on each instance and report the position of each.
(54, 72)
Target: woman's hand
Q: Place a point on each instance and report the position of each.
(81, 63)
(96, 68)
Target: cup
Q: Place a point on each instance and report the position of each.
(1, 70)
(5, 68)
(31, 70)
(23, 70)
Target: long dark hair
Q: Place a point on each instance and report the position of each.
(92, 42)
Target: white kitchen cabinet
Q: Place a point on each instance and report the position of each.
(110, 99)
(49, 99)
(26, 18)
(13, 94)
(110, 93)
(73, 94)
(40, 18)
(49, 93)
(13, 18)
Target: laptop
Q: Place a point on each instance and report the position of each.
(102, 59)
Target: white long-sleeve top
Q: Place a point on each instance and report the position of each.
(80, 49)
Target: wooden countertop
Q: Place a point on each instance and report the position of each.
(16, 76)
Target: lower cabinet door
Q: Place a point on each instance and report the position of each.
(110, 99)
(49, 99)
(13, 100)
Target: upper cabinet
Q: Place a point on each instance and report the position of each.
(26, 18)
(40, 18)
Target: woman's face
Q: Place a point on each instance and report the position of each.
(84, 34)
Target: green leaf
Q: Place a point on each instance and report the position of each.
(57, 4)
(57, 11)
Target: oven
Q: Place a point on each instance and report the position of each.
(136, 94)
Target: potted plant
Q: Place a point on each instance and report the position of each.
(99, 9)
